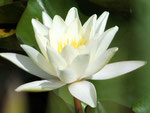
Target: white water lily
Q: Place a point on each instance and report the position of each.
(70, 55)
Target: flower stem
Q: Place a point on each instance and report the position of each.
(78, 107)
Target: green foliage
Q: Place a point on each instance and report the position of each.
(108, 107)
(57, 105)
(142, 106)
(63, 92)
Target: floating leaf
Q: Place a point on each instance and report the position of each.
(142, 106)
(108, 107)
(57, 105)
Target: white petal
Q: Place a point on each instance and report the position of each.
(107, 38)
(72, 14)
(116, 69)
(84, 91)
(26, 64)
(89, 27)
(42, 42)
(57, 31)
(101, 23)
(39, 59)
(83, 50)
(80, 63)
(47, 21)
(69, 53)
(39, 28)
(100, 61)
(93, 46)
(55, 58)
(42, 85)
(74, 30)
(67, 75)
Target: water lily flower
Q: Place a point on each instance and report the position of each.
(70, 54)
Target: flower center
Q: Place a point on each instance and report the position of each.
(75, 43)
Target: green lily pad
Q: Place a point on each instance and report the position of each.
(57, 105)
(142, 106)
(64, 93)
(108, 107)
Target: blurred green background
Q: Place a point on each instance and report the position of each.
(126, 94)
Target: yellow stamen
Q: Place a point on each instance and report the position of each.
(76, 44)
